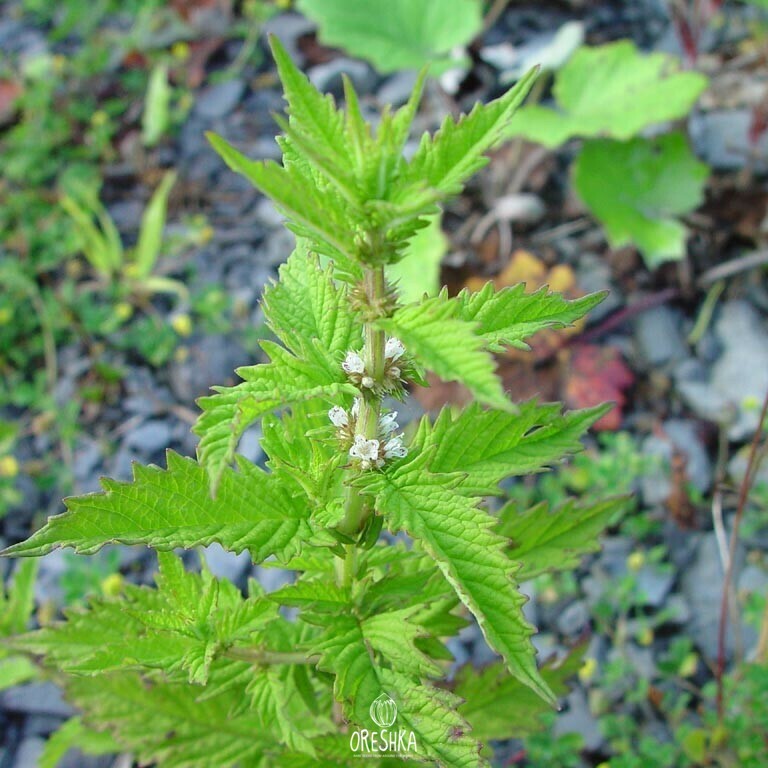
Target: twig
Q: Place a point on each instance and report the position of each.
(733, 267)
(746, 483)
(493, 14)
(619, 318)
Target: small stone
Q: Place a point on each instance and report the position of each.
(573, 619)
(226, 565)
(271, 579)
(685, 438)
(678, 609)
(579, 719)
(655, 485)
(36, 699)
(29, 753)
(327, 77)
(654, 583)
(593, 274)
(460, 655)
(659, 337)
(397, 89)
(149, 438)
(722, 139)
(219, 100)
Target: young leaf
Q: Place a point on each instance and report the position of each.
(173, 508)
(400, 34)
(443, 162)
(449, 346)
(610, 90)
(471, 556)
(509, 316)
(555, 540)
(486, 446)
(311, 212)
(150, 242)
(637, 189)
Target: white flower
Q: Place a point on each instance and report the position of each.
(338, 417)
(355, 411)
(387, 423)
(394, 448)
(365, 450)
(353, 363)
(367, 382)
(393, 349)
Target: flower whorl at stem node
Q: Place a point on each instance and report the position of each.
(371, 308)
(370, 453)
(392, 375)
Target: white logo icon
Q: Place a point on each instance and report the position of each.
(383, 711)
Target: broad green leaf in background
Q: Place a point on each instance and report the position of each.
(157, 102)
(419, 270)
(397, 34)
(610, 90)
(637, 189)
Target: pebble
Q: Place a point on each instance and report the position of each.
(396, 90)
(702, 586)
(29, 753)
(36, 699)
(721, 139)
(578, 719)
(659, 338)
(593, 274)
(327, 77)
(219, 100)
(654, 583)
(573, 619)
(227, 565)
(149, 438)
(686, 439)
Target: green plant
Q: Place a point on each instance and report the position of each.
(193, 673)
(399, 34)
(636, 187)
(129, 271)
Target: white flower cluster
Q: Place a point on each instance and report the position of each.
(371, 452)
(354, 364)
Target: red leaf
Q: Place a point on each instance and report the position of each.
(596, 375)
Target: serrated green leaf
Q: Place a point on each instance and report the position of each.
(486, 446)
(312, 115)
(306, 306)
(173, 508)
(165, 722)
(311, 212)
(499, 707)
(311, 315)
(181, 627)
(637, 189)
(510, 316)
(446, 160)
(438, 340)
(610, 90)
(461, 540)
(555, 540)
(401, 34)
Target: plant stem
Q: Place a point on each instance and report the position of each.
(746, 484)
(356, 508)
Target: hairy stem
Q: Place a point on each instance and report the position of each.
(356, 509)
